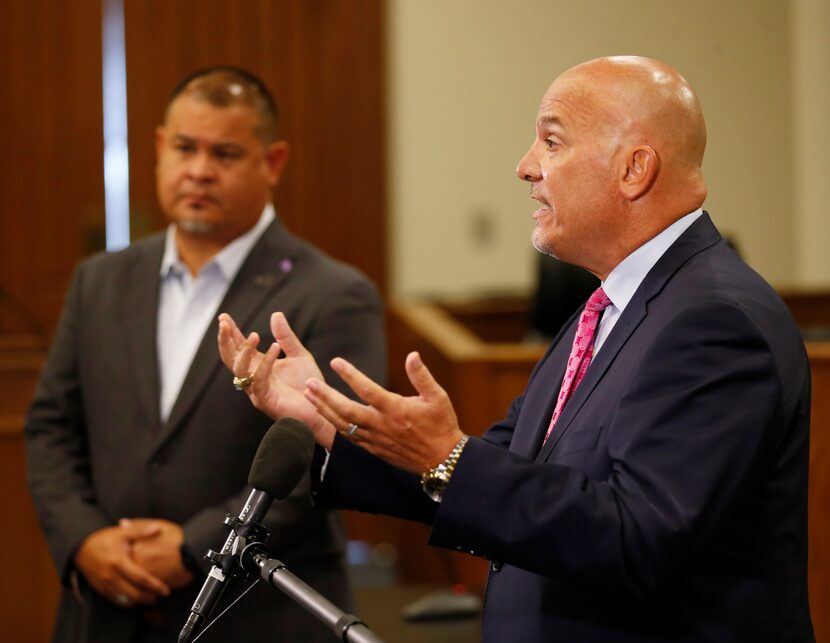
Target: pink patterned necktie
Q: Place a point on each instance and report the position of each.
(581, 352)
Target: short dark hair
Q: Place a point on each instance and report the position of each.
(225, 85)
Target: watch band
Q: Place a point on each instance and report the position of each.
(435, 480)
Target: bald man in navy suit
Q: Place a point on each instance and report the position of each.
(650, 484)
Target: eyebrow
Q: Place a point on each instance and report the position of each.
(190, 139)
(549, 119)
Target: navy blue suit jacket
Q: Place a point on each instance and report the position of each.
(670, 501)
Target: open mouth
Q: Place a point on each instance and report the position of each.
(544, 206)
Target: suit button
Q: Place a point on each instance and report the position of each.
(496, 566)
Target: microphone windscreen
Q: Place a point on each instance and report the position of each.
(283, 456)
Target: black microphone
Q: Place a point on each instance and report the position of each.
(283, 457)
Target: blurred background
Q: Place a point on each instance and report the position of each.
(406, 120)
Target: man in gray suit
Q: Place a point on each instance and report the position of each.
(137, 443)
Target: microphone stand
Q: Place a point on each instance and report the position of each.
(349, 628)
(254, 558)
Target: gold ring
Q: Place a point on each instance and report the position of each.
(242, 383)
(351, 429)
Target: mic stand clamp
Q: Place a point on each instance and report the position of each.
(247, 532)
(225, 565)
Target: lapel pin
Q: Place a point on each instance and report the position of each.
(286, 265)
(266, 281)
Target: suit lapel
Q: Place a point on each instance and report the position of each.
(540, 395)
(700, 235)
(268, 265)
(139, 318)
(633, 314)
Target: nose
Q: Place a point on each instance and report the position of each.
(528, 168)
(200, 168)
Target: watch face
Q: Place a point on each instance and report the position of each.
(434, 489)
(434, 485)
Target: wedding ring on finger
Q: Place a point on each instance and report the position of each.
(123, 600)
(242, 383)
(351, 429)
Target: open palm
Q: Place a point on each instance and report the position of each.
(278, 384)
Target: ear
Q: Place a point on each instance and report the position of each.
(276, 157)
(642, 164)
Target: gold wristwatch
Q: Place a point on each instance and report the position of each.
(434, 481)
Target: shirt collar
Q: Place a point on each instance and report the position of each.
(623, 281)
(228, 260)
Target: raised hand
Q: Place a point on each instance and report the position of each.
(412, 433)
(278, 384)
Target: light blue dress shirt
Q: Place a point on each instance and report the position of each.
(623, 281)
(188, 304)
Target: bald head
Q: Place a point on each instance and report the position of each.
(617, 158)
(645, 100)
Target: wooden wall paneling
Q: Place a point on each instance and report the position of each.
(339, 64)
(51, 215)
(810, 308)
(29, 593)
(52, 200)
(19, 372)
(323, 61)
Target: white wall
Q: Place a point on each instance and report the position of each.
(464, 81)
(811, 46)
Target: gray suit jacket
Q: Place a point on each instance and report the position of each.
(97, 450)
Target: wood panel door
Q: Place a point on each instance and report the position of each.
(52, 196)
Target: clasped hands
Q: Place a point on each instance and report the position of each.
(412, 433)
(135, 562)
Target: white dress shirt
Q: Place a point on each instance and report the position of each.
(623, 281)
(188, 304)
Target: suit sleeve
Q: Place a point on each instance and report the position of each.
(57, 453)
(684, 445)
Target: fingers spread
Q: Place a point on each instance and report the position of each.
(233, 330)
(263, 371)
(421, 378)
(227, 346)
(329, 415)
(243, 363)
(336, 407)
(286, 337)
(366, 389)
